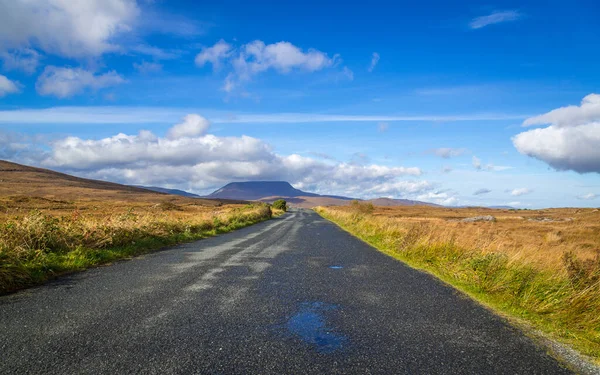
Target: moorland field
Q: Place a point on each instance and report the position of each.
(52, 223)
(539, 267)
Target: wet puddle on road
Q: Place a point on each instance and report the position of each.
(310, 325)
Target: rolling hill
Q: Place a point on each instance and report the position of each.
(18, 180)
(158, 189)
(25, 182)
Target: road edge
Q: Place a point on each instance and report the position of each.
(567, 356)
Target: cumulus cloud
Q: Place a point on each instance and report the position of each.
(189, 157)
(494, 18)
(25, 59)
(8, 87)
(447, 153)
(64, 27)
(192, 126)
(570, 142)
(374, 60)
(148, 67)
(520, 191)
(570, 116)
(482, 191)
(476, 162)
(66, 82)
(257, 57)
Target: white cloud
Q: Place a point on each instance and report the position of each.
(447, 152)
(444, 198)
(482, 191)
(476, 162)
(8, 87)
(148, 67)
(214, 55)
(494, 18)
(65, 27)
(374, 60)
(570, 142)
(588, 196)
(520, 191)
(570, 116)
(66, 82)
(25, 59)
(137, 115)
(22, 148)
(189, 157)
(192, 126)
(257, 57)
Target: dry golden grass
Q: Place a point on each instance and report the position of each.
(541, 266)
(517, 233)
(52, 223)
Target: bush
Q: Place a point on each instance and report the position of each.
(280, 204)
(365, 208)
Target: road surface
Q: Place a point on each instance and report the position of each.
(294, 295)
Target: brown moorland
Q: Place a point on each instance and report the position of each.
(541, 267)
(52, 223)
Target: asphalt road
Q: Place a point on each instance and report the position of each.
(293, 295)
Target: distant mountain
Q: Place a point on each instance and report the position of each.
(255, 190)
(169, 191)
(400, 202)
(269, 191)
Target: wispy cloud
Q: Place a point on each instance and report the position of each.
(494, 18)
(477, 164)
(374, 60)
(154, 115)
(588, 196)
(482, 191)
(520, 191)
(146, 67)
(447, 152)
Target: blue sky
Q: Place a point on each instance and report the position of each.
(458, 103)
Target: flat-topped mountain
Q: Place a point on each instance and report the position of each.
(255, 190)
(269, 191)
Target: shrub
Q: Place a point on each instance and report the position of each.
(362, 207)
(280, 204)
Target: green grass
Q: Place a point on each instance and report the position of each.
(39, 247)
(565, 308)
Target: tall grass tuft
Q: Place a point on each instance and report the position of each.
(38, 246)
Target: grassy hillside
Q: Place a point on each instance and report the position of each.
(540, 266)
(52, 223)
